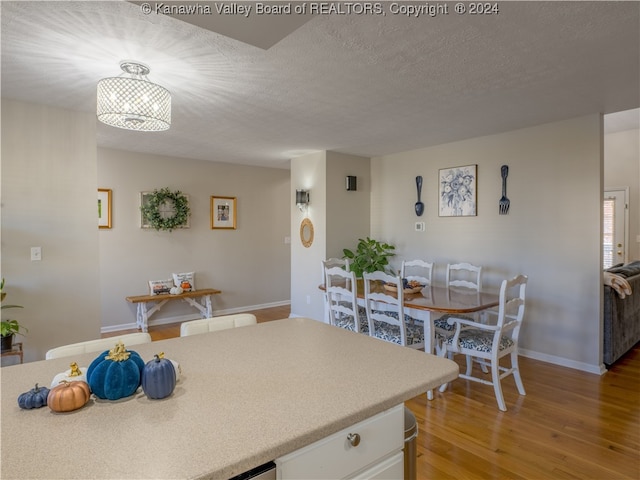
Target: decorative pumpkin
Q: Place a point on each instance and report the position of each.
(68, 396)
(34, 398)
(176, 290)
(116, 373)
(158, 377)
(74, 374)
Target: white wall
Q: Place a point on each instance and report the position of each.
(308, 172)
(552, 232)
(49, 200)
(622, 169)
(339, 218)
(251, 265)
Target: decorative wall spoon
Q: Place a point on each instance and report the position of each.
(419, 204)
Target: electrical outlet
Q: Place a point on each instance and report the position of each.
(308, 299)
(36, 254)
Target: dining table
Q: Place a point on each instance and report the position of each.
(436, 299)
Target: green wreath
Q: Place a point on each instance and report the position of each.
(180, 206)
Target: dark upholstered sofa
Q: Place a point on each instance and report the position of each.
(621, 315)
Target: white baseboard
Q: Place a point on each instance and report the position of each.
(193, 316)
(563, 362)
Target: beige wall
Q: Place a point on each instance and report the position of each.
(251, 265)
(49, 200)
(622, 169)
(552, 232)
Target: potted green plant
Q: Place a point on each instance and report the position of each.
(8, 327)
(370, 256)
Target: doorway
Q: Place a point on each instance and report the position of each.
(615, 227)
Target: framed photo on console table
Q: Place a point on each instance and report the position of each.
(457, 191)
(223, 212)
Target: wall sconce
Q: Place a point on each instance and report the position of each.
(352, 183)
(302, 199)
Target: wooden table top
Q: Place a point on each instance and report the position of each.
(441, 299)
(158, 298)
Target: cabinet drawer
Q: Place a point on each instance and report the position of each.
(390, 469)
(334, 457)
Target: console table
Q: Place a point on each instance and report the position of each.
(16, 350)
(142, 314)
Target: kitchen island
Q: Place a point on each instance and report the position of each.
(246, 396)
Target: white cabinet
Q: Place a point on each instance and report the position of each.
(367, 450)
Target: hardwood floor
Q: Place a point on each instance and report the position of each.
(570, 425)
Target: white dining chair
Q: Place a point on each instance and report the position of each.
(222, 322)
(342, 301)
(331, 263)
(417, 270)
(386, 312)
(488, 342)
(98, 345)
(464, 276)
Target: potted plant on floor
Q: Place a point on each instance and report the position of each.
(8, 327)
(370, 256)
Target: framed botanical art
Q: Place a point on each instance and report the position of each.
(223, 212)
(457, 191)
(104, 208)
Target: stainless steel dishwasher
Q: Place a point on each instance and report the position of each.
(263, 472)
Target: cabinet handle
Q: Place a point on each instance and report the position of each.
(354, 439)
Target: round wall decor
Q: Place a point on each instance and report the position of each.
(166, 210)
(306, 232)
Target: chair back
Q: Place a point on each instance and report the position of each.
(334, 262)
(98, 345)
(342, 297)
(511, 307)
(417, 270)
(384, 306)
(223, 322)
(464, 275)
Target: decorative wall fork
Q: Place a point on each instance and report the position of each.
(503, 204)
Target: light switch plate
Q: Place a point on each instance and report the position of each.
(36, 254)
(419, 227)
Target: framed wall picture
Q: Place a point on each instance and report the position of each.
(223, 212)
(104, 208)
(457, 191)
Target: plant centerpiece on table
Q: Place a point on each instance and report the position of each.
(166, 210)
(370, 256)
(8, 327)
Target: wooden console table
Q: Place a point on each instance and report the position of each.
(16, 350)
(142, 314)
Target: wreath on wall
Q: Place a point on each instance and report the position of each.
(166, 210)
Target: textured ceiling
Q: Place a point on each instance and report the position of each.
(361, 84)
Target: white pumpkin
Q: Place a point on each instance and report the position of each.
(74, 374)
(176, 290)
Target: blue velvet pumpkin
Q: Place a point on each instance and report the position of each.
(158, 377)
(34, 398)
(115, 373)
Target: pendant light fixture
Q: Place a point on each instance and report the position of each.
(132, 102)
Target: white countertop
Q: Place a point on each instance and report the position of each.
(246, 396)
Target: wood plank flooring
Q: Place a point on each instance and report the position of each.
(570, 425)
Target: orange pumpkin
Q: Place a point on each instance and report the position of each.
(68, 396)
(185, 285)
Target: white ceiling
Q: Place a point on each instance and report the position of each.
(361, 84)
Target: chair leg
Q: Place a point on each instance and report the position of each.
(469, 365)
(516, 373)
(495, 376)
(430, 395)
